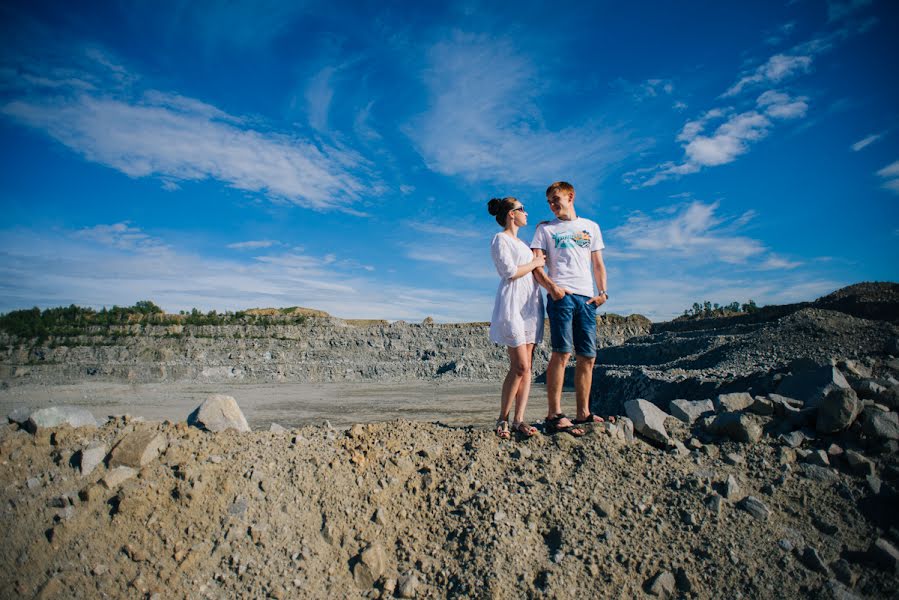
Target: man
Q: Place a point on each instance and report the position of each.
(572, 247)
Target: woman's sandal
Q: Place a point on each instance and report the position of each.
(590, 419)
(502, 429)
(552, 426)
(524, 429)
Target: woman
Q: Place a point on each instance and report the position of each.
(517, 320)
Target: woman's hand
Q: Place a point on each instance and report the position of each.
(539, 261)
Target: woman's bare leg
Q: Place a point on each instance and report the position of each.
(524, 387)
(519, 368)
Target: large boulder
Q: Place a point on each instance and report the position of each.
(690, 410)
(837, 410)
(739, 427)
(879, 424)
(812, 385)
(734, 402)
(60, 415)
(649, 419)
(218, 413)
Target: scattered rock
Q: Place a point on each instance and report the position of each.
(813, 560)
(735, 402)
(837, 410)
(843, 572)
(859, 463)
(818, 457)
(818, 473)
(793, 439)
(137, 449)
(116, 476)
(648, 419)
(755, 507)
(811, 385)
(275, 428)
(407, 586)
(60, 415)
(371, 564)
(19, 415)
(662, 585)
(731, 488)
(91, 456)
(879, 424)
(689, 411)
(739, 427)
(218, 413)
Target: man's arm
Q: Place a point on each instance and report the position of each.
(544, 281)
(599, 275)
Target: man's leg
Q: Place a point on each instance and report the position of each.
(560, 314)
(584, 337)
(583, 379)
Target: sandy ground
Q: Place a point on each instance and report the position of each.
(288, 404)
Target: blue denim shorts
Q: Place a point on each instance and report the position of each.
(572, 325)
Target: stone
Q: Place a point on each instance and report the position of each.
(869, 389)
(837, 410)
(32, 482)
(407, 587)
(818, 457)
(843, 571)
(739, 427)
(275, 428)
(733, 402)
(60, 415)
(19, 415)
(812, 560)
(818, 473)
(761, 406)
(812, 385)
(689, 411)
(115, 477)
(734, 458)
(648, 419)
(91, 456)
(662, 585)
(218, 413)
(859, 463)
(522, 453)
(889, 397)
(715, 503)
(626, 427)
(793, 439)
(604, 508)
(885, 555)
(879, 424)
(874, 484)
(137, 449)
(755, 507)
(731, 488)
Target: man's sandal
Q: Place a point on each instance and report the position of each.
(502, 429)
(552, 426)
(590, 419)
(524, 429)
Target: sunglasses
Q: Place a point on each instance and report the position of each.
(521, 208)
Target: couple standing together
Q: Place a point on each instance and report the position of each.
(570, 248)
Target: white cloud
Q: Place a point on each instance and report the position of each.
(778, 68)
(180, 139)
(891, 175)
(457, 231)
(693, 230)
(778, 263)
(729, 140)
(253, 244)
(866, 141)
(318, 98)
(483, 123)
(114, 264)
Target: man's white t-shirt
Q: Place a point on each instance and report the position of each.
(568, 246)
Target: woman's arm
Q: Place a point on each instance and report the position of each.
(526, 268)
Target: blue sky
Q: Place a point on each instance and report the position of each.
(340, 155)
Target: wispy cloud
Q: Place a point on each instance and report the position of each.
(253, 244)
(775, 70)
(484, 123)
(890, 175)
(729, 140)
(120, 264)
(460, 231)
(837, 10)
(866, 141)
(175, 138)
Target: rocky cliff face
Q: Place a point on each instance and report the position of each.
(321, 350)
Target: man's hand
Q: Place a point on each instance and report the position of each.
(598, 300)
(558, 292)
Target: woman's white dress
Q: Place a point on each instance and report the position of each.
(518, 310)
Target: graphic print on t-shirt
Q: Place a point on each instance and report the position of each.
(569, 239)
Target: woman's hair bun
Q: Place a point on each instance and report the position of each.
(493, 206)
